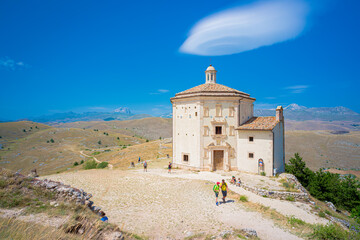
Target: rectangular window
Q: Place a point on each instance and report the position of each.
(251, 155)
(186, 158)
(206, 111)
(218, 110)
(251, 139)
(232, 131)
(218, 130)
(231, 112)
(195, 114)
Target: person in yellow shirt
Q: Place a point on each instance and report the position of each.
(224, 189)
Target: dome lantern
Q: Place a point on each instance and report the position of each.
(210, 75)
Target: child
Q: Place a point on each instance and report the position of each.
(238, 182)
(216, 190)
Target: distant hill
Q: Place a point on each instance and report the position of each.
(302, 113)
(149, 128)
(122, 113)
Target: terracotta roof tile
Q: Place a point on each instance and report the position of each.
(211, 88)
(259, 123)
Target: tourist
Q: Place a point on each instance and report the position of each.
(145, 166)
(233, 180)
(132, 164)
(224, 189)
(104, 218)
(216, 190)
(139, 160)
(169, 167)
(238, 182)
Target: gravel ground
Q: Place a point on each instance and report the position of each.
(158, 206)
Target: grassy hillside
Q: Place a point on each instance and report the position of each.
(14, 130)
(53, 150)
(149, 128)
(323, 149)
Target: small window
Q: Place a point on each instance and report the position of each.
(186, 158)
(218, 130)
(251, 155)
(251, 139)
(195, 114)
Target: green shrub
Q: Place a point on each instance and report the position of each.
(290, 198)
(91, 164)
(326, 186)
(295, 221)
(82, 161)
(329, 231)
(102, 165)
(263, 174)
(243, 198)
(147, 140)
(76, 163)
(52, 140)
(322, 214)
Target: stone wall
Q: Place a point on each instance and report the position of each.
(301, 195)
(69, 193)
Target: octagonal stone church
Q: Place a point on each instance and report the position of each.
(214, 129)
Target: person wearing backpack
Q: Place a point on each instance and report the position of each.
(216, 190)
(224, 189)
(145, 166)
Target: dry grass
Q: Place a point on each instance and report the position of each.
(323, 149)
(148, 128)
(14, 229)
(37, 151)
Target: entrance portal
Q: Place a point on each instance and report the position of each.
(218, 159)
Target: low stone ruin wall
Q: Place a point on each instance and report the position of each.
(302, 195)
(69, 193)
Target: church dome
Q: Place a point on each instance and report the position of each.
(210, 68)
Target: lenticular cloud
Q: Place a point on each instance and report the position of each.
(247, 27)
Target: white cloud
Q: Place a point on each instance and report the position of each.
(159, 91)
(163, 90)
(11, 64)
(298, 88)
(247, 27)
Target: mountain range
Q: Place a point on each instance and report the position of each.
(302, 113)
(291, 112)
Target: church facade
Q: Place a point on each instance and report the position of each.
(214, 129)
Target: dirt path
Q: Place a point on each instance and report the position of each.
(299, 210)
(156, 206)
(98, 161)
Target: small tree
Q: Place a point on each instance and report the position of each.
(52, 140)
(76, 164)
(24, 130)
(118, 138)
(99, 142)
(147, 140)
(82, 161)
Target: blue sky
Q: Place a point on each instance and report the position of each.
(58, 56)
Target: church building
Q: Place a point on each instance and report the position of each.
(214, 128)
